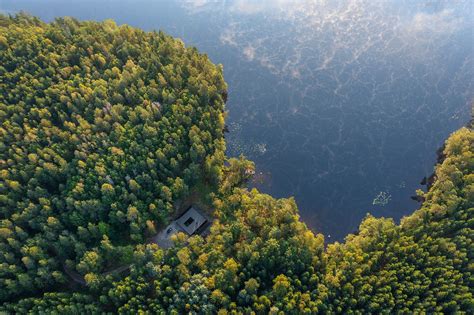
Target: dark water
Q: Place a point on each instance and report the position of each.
(342, 104)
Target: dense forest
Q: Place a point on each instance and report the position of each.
(105, 131)
(103, 128)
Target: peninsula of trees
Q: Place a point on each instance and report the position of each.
(105, 130)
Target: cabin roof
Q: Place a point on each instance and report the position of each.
(191, 220)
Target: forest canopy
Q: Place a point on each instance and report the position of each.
(106, 129)
(103, 129)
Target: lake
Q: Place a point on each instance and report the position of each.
(341, 104)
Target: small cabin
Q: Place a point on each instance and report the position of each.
(191, 220)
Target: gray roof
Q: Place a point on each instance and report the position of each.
(191, 220)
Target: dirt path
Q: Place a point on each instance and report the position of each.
(78, 278)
